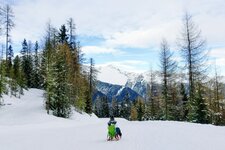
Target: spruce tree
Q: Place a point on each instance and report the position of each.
(62, 35)
(24, 61)
(9, 61)
(18, 77)
(36, 72)
(125, 107)
(92, 80)
(168, 67)
(101, 107)
(115, 108)
(63, 79)
(2, 80)
(47, 80)
(184, 100)
(200, 113)
(192, 47)
(61, 66)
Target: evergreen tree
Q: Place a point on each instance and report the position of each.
(9, 61)
(115, 108)
(101, 107)
(7, 16)
(153, 102)
(61, 66)
(24, 62)
(140, 109)
(47, 80)
(168, 67)
(105, 107)
(36, 72)
(18, 77)
(125, 108)
(9, 72)
(200, 112)
(2, 79)
(175, 108)
(29, 65)
(62, 35)
(184, 100)
(192, 47)
(215, 105)
(62, 77)
(92, 80)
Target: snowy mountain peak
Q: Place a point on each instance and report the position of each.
(112, 75)
(137, 82)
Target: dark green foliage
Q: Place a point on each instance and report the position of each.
(62, 78)
(62, 35)
(2, 80)
(18, 75)
(201, 111)
(125, 108)
(115, 108)
(9, 61)
(89, 92)
(27, 63)
(36, 71)
(198, 109)
(184, 100)
(88, 107)
(101, 107)
(61, 102)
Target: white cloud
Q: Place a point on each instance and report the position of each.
(144, 38)
(126, 23)
(128, 65)
(101, 50)
(137, 22)
(218, 57)
(218, 52)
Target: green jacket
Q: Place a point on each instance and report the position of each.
(112, 130)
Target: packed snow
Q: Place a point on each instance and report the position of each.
(24, 125)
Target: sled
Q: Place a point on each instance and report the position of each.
(115, 138)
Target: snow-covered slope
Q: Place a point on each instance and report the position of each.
(24, 125)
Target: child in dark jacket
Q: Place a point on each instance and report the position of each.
(113, 130)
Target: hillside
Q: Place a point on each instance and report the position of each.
(24, 125)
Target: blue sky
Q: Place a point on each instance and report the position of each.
(125, 33)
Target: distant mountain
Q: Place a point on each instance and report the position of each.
(113, 82)
(137, 82)
(112, 75)
(114, 91)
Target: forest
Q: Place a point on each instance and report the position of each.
(57, 65)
